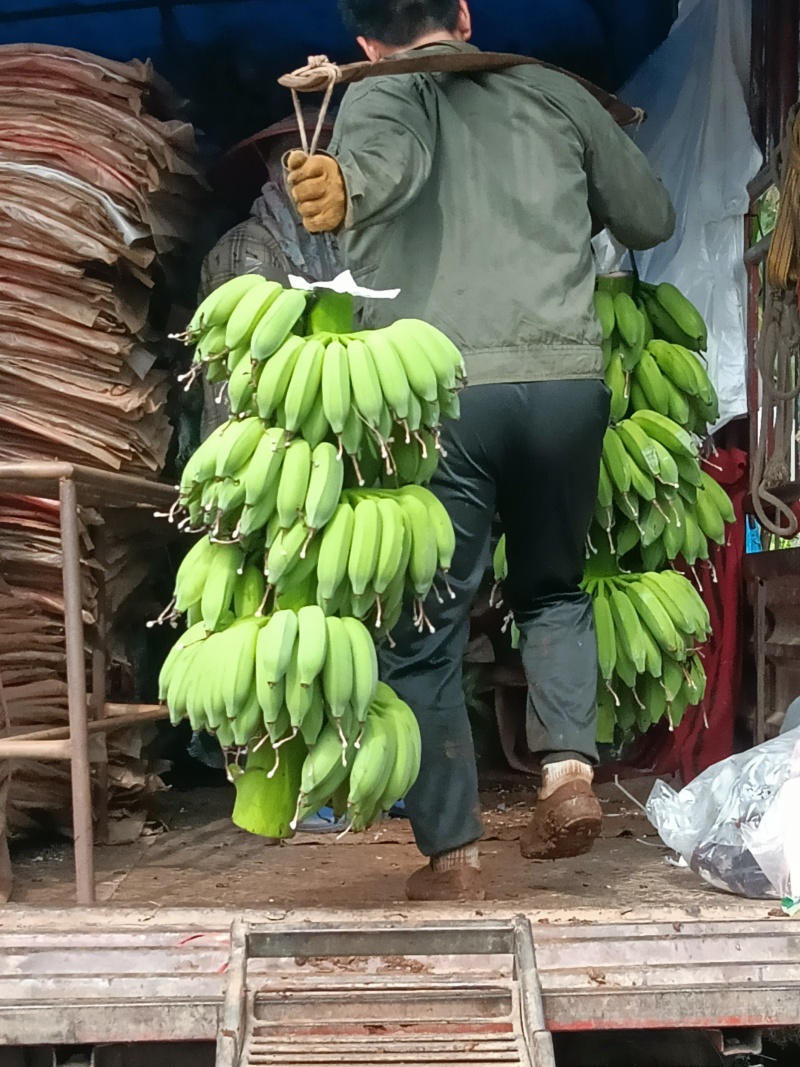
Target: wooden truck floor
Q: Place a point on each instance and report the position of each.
(202, 860)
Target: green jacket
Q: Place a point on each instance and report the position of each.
(473, 193)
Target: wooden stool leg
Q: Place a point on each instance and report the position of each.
(76, 692)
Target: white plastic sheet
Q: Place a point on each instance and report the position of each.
(736, 825)
(699, 140)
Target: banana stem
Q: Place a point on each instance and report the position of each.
(423, 446)
(613, 692)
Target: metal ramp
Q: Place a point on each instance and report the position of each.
(447, 993)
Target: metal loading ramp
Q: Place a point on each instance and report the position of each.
(450, 993)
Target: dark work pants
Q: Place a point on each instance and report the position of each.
(530, 452)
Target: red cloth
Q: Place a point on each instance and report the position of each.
(693, 747)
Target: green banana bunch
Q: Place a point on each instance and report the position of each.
(647, 626)
(378, 545)
(300, 547)
(218, 307)
(664, 373)
(654, 502)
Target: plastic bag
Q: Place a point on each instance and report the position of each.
(737, 824)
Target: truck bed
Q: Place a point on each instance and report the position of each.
(198, 858)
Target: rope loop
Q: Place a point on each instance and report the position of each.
(304, 79)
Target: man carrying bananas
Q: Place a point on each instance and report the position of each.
(476, 195)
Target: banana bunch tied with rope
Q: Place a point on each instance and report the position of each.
(649, 627)
(316, 527)
(652, 337)
(655, 502)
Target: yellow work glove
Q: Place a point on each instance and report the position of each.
(317, 187)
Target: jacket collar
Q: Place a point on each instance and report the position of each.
(436, 47)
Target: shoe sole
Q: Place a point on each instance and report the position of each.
(574, 838)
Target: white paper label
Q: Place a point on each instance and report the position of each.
(344, 283)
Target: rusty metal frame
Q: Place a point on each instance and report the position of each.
(72, 486)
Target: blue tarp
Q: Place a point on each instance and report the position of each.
(225, 56)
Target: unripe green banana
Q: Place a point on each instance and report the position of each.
(628, 627)
(298, 697)
(336, 391)
(249, 312)
(604, 629)
(192, 573)
(285, 553)
(237, 445)
(276, 375)
(683, 312)
(211, 346)
(202, 465)
(294, 479)
(276, 642)
(617, 461)
(617, 382)
(193, 635)
(337, 673)
(304, 386)
(416, 363)
(239, 669)
(312, 643)
(258, 515)
(241, 388)
(220, 304)
(353, 433)
(276, 325)
(414, 418)
(720, 498)
(265, 464)
(364, 545)
(663, 429)
(326, 767)
(369, 775)
(629, 321)
(441, 353)
(220, 583)
(365, 666)
(334, 551)
(390, 554)
(424, 550)
(604, 308)
(316, 428)
(324, 486)
(391, 373)
(654, 616)
(440, 521)
(248, 594)
(364, 381)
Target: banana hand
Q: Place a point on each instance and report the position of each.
(317, 187)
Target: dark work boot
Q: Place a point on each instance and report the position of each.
(453, 876)
(567, 819)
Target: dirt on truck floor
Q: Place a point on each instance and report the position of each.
(195, 856)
